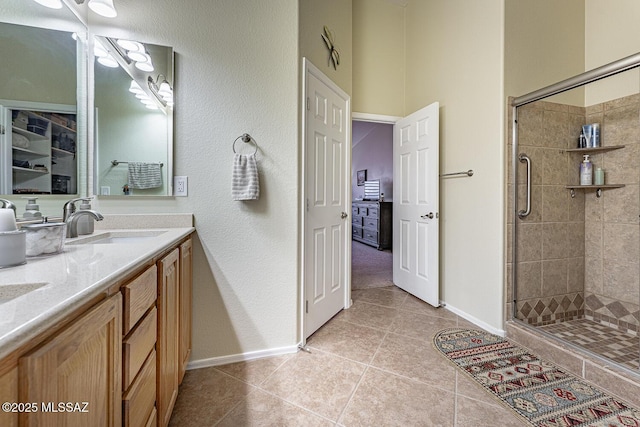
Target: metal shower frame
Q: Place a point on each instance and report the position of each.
(599, 73)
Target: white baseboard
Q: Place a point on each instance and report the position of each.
(242, 357)
(470, 318)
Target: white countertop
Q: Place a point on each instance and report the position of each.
(71, 278)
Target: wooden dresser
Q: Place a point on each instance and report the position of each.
(371, 223)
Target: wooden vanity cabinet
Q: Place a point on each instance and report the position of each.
(80, 365)
(125, 355)
(140, 322)
(168, 334)
(186, 284)
(8, 393)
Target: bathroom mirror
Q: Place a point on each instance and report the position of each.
(133, 114)
(42, 100)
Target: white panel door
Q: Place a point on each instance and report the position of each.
(416, 202)
(327, 169)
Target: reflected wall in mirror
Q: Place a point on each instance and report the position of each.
(133, 118)
(38, 110)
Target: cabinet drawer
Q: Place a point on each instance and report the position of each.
(373, 212)
(356, 232)
(356, 220)
(139, 401)
(370, 235)
(137, 346)
(139, 295)
(371, 223)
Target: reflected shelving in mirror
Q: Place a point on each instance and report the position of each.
(42, 83)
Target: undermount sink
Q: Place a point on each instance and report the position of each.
(15, 290)
(113, 237)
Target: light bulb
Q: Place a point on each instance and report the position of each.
(103, 7)
(165, 89)
(138, 56)
(130, 45)
(51, 4)
(145, 66)
(108, 61)
(135, 87)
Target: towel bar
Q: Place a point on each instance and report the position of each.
(468, 173)
(117, 162)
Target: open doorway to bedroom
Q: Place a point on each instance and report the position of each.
(371, 168)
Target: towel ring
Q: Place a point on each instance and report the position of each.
(246, 138)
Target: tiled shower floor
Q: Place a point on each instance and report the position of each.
(606, 341)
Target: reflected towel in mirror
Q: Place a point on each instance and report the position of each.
(244, 184)
(145, 175)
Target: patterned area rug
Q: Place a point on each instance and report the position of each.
(541, 393)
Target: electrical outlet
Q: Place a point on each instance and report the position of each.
(105, 190)
(180, 186)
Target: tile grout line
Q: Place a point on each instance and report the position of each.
(355, 389)
(259, 387)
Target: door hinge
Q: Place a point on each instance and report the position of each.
(308, 104)
(306, 306)
(307, 205)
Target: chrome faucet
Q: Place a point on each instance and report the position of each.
(9, 205)
(70, 207)
(72, 221)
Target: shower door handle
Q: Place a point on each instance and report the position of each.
(525, 159)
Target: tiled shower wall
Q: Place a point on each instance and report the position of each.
(612, 234)
(577, 256)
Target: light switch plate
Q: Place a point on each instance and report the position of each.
(105, 190)
(180, 186)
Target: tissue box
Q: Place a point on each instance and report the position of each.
(45, 238)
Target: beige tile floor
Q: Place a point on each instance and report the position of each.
(371, 365)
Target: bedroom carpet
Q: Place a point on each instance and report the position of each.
(370, 268)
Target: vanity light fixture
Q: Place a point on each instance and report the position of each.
(133, 51)
(51, 4)
(161, 89)
(142, 96)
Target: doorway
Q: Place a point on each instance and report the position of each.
(371, 159)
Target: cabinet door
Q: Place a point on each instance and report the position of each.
(168, 326)
(9, 393)
(186, 282)
(80, 365)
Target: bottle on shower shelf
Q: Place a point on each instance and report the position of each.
(586, 171)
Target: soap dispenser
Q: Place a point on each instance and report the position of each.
(586, 171)
(85, 222)
(32, 210)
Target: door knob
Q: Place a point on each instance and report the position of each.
(343, 215)
(429, 215)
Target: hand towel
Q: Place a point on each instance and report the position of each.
(145, 175)
(245, 185)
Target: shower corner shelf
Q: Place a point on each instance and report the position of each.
(595, 149)
(598, 188)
